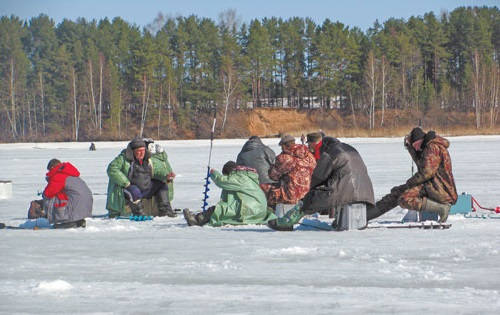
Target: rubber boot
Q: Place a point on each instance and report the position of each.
(440, 208)
(164, 207)
(136, 207)
(286, 222)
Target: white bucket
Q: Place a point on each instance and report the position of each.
(282, 209)
(5, 189)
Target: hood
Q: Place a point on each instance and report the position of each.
(328, 142)
(252, 145)
(432, 138)
(64, 168)
(250, 172)
(129, 153)
(298, 150)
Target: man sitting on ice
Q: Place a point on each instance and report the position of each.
(137, 174)
(432, 188)
(292, 172)
(242, 201)
(67, 200)
(259, 156)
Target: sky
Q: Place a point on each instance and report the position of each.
(360, 13)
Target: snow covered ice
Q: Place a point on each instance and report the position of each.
(163, 266)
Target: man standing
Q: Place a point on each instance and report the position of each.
(339, 179)
(432, 188)
(292, 170)
(137, 174)
(256, 155)
(67, 200)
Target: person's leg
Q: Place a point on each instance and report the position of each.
(160, 191)
(286, 222)
(201, 218)
(415, 199)
(133, 198)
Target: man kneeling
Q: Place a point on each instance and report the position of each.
(432, 188)
(242, 200)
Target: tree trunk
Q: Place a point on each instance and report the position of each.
(75, 116)
(92, 97)
(101, 62)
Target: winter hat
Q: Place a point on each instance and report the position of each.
(228, 167)
(53, 163)
(416, 134)
(286, 138)
(314, 136)
(137, 143)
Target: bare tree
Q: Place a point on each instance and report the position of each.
(371, 81)
(229, 79)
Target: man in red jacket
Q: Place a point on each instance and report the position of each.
(67, 198)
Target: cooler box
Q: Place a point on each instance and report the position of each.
(351, 217)
(463, 204)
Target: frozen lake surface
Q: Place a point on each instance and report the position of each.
(163, 266)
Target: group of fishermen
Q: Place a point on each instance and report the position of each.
(324, 175)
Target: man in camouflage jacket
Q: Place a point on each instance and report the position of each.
(432, 188)
(293, 170)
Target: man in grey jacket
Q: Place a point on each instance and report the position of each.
(259, 156)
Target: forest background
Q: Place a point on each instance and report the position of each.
(88, 80)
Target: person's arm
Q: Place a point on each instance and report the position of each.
(55, 185)
(225, 182)
(115, 172)
(322, 171)
(284, 164)
(431, 162)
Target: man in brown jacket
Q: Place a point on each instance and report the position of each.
(432, 188)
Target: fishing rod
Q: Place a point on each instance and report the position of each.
(207, 178)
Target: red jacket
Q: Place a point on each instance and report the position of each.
(56, 178)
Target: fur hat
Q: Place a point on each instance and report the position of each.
(286, 138)
(137, 143)
(314, 137)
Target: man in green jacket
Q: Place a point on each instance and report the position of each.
(242, 200)
(136, 174)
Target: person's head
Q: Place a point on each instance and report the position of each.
(416, 138)
(53, 163)
(138, 146)
(252, 138)
(313, 139)
(287, 141)
(228, 167)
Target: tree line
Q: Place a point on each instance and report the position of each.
(83, 80)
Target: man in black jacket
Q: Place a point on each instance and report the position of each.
(259, 156)
(339, 179)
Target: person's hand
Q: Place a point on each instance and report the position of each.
(170, 177)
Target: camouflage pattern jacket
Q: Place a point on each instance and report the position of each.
(293, 169)
(434, 169)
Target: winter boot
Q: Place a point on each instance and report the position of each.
(203, 217)
(440, 208)
(164, 206)
(190, 217)
(136, 207)
(286, 222)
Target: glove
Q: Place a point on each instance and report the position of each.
(398, 190)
